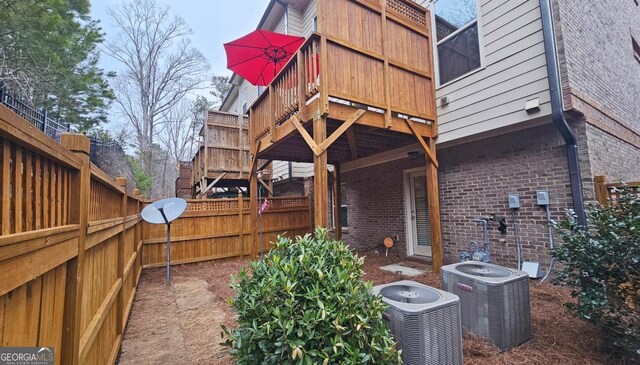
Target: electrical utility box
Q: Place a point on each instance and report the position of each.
(514, 201)
(542, 197)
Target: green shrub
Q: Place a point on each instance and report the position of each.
(306, 303)
(602, 265)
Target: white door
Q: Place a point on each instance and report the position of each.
(420, 232)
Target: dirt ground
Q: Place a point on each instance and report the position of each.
(181, 324)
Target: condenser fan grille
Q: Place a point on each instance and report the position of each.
(410, 294)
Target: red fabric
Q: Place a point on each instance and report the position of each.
(260, 55)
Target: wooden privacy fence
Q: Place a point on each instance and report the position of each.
(219, 228)
(70, 247)
(608, 193)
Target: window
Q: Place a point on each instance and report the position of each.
(457, 38)
(343, 206)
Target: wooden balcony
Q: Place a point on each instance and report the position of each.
(222, 160)
(366, 58)
(362, 85)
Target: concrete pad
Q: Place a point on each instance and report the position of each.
(402, 270)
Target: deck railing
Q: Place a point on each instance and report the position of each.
(381, 61)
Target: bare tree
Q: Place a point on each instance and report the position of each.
(178, 133)
(160, 67)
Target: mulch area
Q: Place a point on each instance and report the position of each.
(164, 320)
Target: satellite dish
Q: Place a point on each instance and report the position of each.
(163, 212)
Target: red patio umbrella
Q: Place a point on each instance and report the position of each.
(260, 55)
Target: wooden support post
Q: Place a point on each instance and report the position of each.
(272, 114)
(241, 166)
(337, 197)
(323, 106)
(253, 207)
(433, 200)
(78, 214)
(120, 310)
(302, 85)
(602, 194)
(320, 176)
(241, 223)
(388, 121)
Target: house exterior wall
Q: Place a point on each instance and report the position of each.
(612, 157)
(308, 16)
(474, 180)
(513, 72)
(601, 80)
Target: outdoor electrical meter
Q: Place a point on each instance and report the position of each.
(542, 197)
(514, 201)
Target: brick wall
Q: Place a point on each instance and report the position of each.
(475, 179)
(609, 156)
(376, 205)
(596, 55)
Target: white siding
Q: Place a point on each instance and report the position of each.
(308, 16)
(299, 169)
(514, 72)
(280, 170)
(295, 22)
(250, 93)
(281, 26)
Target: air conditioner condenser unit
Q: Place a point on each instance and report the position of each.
(424, 321)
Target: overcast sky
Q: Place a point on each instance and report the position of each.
(213, 22)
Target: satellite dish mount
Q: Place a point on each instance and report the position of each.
(164, 212)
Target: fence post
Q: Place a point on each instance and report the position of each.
(45, 114)
(602, 193)
(78, 214)
(2, 91)
(241, 223)
(122, 182)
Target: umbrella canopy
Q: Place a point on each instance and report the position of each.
(260, 55)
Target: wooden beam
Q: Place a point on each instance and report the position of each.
(430, 153)
(266, 186)
(320, 176)
(337, 198)
(254, 155)
(264, 165)
(341, 129)
(351, 137)
(433, 200)
(307, 137)
(210, 186)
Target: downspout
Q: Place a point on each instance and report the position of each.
(557, 112)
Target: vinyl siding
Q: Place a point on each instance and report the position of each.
(299, 169)
(514, 71)
(295, 22)
(308, 15)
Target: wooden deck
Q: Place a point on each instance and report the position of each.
(361, 85)
(222, 160)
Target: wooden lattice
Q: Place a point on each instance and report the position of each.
(228, 119)
(408, 11)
